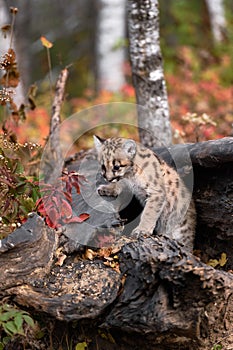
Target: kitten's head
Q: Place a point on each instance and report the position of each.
(115, 156)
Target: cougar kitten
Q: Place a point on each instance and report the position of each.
(168, 204)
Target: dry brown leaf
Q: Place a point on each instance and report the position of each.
(60, 260)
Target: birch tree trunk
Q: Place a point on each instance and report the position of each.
(217, 19)
(147, 72)
(110, 51)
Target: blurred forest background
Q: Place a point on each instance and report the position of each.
(90, 36)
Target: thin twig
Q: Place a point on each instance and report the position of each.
(14, 12)
(50, 71)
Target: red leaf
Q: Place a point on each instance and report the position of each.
(79, 219)
(56, 201)
(41, 209)
(66, 210)
(44, 205)
(23, 220)
(68, 196)
(68, 186)
(52, 218)
(50, 223)
(84, 216)
(75, 184)
(38, 201)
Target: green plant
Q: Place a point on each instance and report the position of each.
(217, 347)
(4, 342)
(81, 346)
(18, 191)
(12, 320)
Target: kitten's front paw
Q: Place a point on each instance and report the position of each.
(106, 190)
(137, 232)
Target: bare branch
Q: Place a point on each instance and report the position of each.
(55, 161)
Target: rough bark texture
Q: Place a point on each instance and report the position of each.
(212, 163)
(147, 72)
(54, 160)
(20, 250)
(164, 298)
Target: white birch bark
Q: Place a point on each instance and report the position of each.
(147, 71)
(217, 19)
(110, 32)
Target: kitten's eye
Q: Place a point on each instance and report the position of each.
(116, 167)
(103, 169)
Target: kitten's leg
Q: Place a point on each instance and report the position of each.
(187, 228)
(150, 215)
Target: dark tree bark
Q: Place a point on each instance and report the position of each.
(147, 72)
(164, 297)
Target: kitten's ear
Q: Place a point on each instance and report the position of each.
(130, 148)
(98, 142)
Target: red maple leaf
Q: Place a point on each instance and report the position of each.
(79, 219)
(55, 203)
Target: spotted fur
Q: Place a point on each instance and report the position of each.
(168, 205)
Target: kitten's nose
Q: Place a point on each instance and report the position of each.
(108, 177)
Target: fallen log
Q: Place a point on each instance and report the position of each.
(212, 165)
(163, 297)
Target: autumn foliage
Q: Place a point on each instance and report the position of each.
(196, 87)
(199, 89)
(55, 203)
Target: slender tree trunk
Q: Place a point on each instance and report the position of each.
(147, 71)
(23, 42)
(110, 50)
(217, 19)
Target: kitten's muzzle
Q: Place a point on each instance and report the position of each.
(113, 179)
